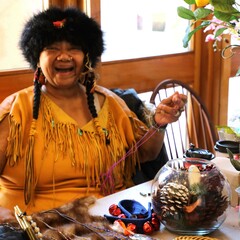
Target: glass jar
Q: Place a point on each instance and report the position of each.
(190, 196)
(238, 204)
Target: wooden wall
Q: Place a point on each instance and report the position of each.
(144, 74)
(141, 74)
(12, 81)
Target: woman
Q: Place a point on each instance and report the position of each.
(67, 137)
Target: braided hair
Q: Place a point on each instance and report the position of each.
(89, 83)
(37, 93)
(29, 164)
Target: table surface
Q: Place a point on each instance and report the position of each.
(229, 230)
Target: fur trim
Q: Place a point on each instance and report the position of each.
(78, 29)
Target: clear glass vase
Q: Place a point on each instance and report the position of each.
(238, 204)
(191, 196)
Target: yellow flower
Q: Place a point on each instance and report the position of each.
(202, 3)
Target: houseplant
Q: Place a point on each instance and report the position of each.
(216, 17)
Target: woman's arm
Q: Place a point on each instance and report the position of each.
(6, 215)
(4, 132)
(168, 111)
(151, 148)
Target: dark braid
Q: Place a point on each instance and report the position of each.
(37, 93)
(89, 83)
(29, 187)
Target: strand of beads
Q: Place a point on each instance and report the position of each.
(28, 225)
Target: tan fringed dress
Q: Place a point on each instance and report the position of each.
(68, 161)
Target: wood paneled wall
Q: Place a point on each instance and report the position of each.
(141, 74)
(144, 74)
(12, 81)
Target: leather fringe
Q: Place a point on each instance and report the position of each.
(29, 166)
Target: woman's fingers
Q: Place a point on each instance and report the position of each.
(170, 109)
(165, 109)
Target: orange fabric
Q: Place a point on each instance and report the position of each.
(68, 161)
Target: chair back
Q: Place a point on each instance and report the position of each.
(194, 125)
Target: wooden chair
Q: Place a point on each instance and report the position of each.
(193, 127)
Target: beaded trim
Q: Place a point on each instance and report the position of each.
(28, 225)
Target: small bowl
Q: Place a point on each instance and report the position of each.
(222, 145)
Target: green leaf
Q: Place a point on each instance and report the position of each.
(230, 154)
(236, 15)
(198, 189)
(185, 13)
(235, 163)
(223, 6)
(189, 34)
(187, 37)
(200, 13)
(219, 32)
(189, 1)
(226, 17)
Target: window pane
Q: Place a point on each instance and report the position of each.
(13, 15)
(141, 28)
(233, 100)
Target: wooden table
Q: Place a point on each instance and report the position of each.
(229, 230)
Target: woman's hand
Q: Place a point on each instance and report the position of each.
(170, 109)
(7, 216)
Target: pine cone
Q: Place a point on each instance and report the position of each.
(171, 198)
(217, 204)
(214, 202)
(214, 181)
(214, 206)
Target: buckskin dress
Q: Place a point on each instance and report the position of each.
(68, 161)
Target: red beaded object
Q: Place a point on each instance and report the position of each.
(132, 217)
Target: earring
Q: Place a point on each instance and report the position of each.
(38, 76)
(88, 78)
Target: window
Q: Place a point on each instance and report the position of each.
(13, 15)
(141, 28)
(233, 103)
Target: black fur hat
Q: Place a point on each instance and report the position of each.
(56, 24)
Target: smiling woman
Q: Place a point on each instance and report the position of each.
(68, 66)
(67, 137)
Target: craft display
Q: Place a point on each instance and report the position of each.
(191, 196)
(133, 217)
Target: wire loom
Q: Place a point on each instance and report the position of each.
(70, 222)
(33, 232)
